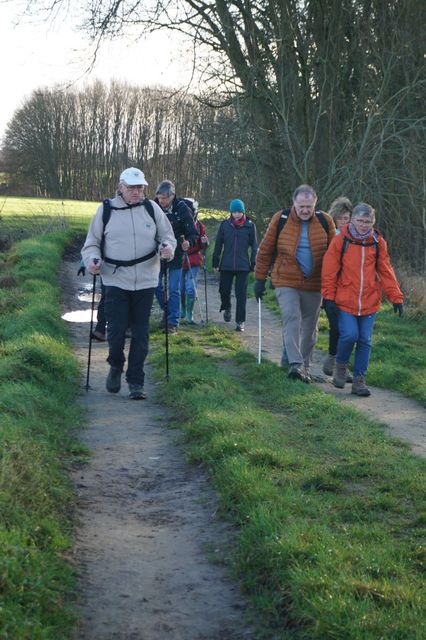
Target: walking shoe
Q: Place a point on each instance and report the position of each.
(136, 392)
(227, 315)
(240, 326)
(359, 388)
(328, 365)
(339, 375)
(99, 336)
(113, 382)
(296, 372)
(171, 328)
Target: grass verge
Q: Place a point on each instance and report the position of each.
(330, 511)
(38, 383)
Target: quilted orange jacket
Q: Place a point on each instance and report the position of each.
(286, 271)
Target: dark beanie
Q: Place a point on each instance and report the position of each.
(237, 205)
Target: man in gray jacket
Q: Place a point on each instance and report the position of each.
(124, 252)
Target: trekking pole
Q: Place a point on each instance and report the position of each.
(259, 353)
(205, 288)
(89, 356)
(166, 315)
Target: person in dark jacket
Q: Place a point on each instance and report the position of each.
(179, 216)
(234, 256)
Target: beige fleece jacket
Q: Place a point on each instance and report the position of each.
(129, 234)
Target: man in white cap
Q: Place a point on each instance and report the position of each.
(122, 246)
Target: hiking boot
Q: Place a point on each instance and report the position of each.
(359, 388)
(113, 382)
(328, 365)
(240, 326)
(136, 392)
(227, 315)
(99, 336)
(339, 375)
(296, 372)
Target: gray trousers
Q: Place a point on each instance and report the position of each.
(300, 312)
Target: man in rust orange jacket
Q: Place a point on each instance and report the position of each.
(295, 256)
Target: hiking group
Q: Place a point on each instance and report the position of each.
(143, 248)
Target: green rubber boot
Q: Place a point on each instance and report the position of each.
(189, 309)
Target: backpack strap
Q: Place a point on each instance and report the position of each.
(106, 215)
(283, 219)
(347, 241)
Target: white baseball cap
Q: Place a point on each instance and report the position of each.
(133, 176)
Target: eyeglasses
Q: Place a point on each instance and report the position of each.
(364, 222)
(134, 187)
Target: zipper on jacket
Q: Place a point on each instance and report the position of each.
(134, 247)
(361, 280)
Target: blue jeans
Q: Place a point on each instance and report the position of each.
(188, 281)
(355, 330)
(125, 309)
(173, 300)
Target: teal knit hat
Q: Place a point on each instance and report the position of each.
(237, 206)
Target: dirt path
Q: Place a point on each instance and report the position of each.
(147, 530)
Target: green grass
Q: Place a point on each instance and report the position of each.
(22, 217)
(38, 384)
(330, 511)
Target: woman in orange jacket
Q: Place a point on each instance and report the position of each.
(355, 271)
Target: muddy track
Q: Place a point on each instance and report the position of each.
(147, 530)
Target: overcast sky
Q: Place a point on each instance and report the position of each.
(39, 55)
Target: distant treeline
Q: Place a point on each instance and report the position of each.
(75, 143)
(331, 93)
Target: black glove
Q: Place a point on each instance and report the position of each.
(330, 306)
(82, 271)
(259, 289)
(398, 307)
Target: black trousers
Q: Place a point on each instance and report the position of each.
(240, 288)
(124, 309)
(333, 332)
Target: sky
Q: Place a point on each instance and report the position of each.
(35, 55)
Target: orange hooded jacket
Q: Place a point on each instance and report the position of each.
(355, 280)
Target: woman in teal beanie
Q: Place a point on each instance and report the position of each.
(235, 240)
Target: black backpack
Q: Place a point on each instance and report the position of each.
(283, 219)
(106, 215)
